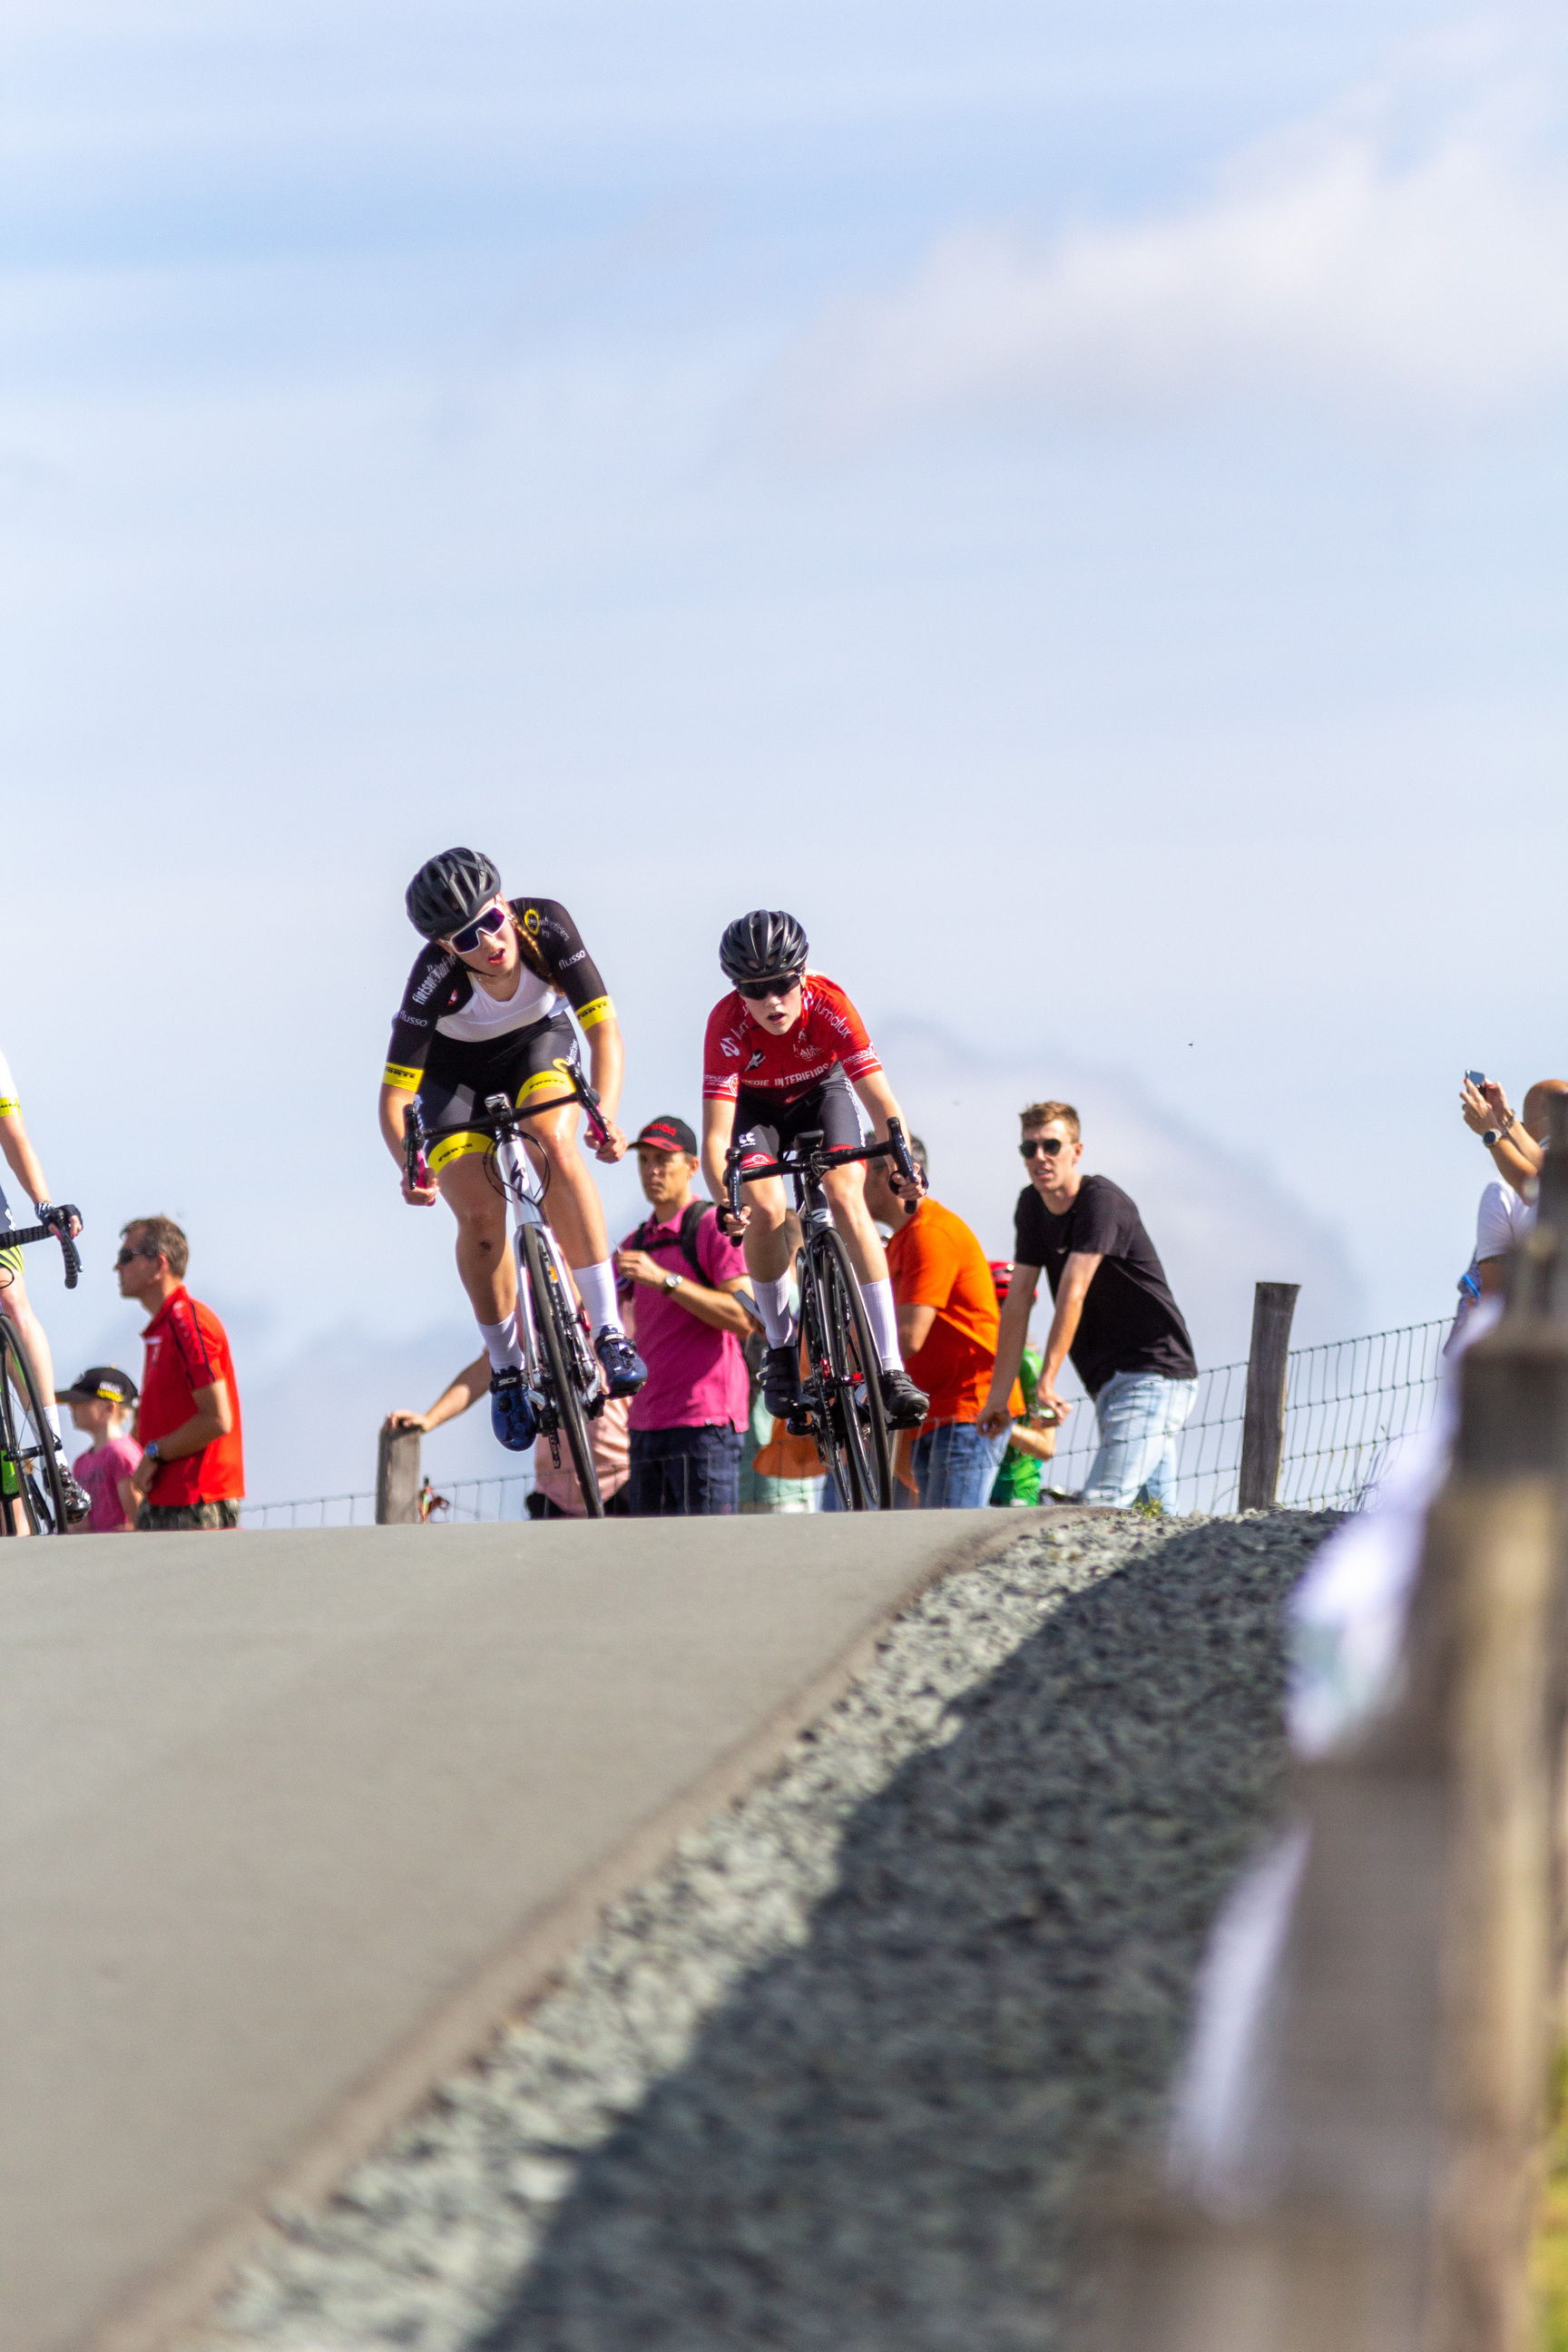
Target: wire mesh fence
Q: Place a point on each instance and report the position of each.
(1349, 1406)
(449, 1502)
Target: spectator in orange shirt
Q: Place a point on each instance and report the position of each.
(946, 1301)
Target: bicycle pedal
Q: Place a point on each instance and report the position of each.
(801, 1424)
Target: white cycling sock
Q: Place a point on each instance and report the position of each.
(773, 1306)
(502, 1345)
(883, 1317)
(52, 1415)
(597, 1288)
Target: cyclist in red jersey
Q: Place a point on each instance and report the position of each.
(781, 1053)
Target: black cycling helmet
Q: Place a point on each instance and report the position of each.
(763, 945)
(448, 891)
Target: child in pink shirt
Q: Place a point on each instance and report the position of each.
(101, 1403)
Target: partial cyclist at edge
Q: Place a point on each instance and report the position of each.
(484, 1012)
(23, 1163)
(781, 1056)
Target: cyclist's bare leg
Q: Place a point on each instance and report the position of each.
(846, 1189)
(768, 1242)
(484, 1262)
(575, 1212)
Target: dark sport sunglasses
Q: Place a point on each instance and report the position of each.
(483, 927)
(757, 990)
(1049, 1144)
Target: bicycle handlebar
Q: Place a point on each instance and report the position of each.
(17, 1235)
(417, 1136)
(817, 1163)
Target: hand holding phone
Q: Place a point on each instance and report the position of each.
(1476, 1077)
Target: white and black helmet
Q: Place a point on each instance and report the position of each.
(766, 944)
(448, 891)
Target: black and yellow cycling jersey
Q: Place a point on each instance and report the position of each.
(444, 1014)
(531, 1067)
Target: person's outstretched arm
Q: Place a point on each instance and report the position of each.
(471, 1383)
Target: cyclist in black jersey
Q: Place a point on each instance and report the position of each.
(485, 1012)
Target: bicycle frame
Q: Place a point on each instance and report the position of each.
(523, 1189)
(805, 1167)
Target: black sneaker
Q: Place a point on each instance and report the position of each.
(781, 1380)
(623, 1369)
(78, 1502)
(512, 1414)
(902, 1403)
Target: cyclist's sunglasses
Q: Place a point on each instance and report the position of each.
(1049, 1144)
(483, 927)
(758, 990)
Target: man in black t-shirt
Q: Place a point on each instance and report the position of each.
(1115, 1317)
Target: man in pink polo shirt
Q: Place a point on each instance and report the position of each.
(689, 1419)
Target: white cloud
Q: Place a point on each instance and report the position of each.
(1404, 254)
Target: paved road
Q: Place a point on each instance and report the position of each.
(287, 1821)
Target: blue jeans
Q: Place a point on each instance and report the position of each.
(955, 1467)
(1140, 1417)
(686, 1473)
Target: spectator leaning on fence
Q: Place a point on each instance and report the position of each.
(689, 1420)
(556, 1493)
(192, 1471)
(946, 1302)
(1115, 1317)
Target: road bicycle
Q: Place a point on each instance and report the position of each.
(559, 1363)
(32, 1496)
(841, 1384)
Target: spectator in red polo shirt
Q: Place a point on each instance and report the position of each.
(192, 1471)
(690, 1419)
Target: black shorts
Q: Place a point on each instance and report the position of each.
(524, 1064)
(764, 1126)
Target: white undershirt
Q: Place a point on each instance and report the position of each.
(486, 1016)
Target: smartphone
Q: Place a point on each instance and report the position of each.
(1476, 1077)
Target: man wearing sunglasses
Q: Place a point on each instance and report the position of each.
(485, 1012)
(783, 1051)
(1115, 1317)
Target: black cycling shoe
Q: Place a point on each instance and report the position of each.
(903, 1403)
(623, 1369)
(512, 1414)
(780, 1380)
(78, 1502)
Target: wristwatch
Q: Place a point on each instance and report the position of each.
(673, 1282)
(150, 1452)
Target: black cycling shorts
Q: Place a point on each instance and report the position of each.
(524, 1064)
(764, 1126)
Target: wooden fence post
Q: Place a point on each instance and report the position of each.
(1263, 1428)
(397, 1478)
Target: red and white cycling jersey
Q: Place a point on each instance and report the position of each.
(738, 1052)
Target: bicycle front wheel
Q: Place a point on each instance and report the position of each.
(32, 1497)
(554, 1315)
(857, 1372)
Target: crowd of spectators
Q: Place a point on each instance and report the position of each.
(698, 1437)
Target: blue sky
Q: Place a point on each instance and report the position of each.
(1069, 499)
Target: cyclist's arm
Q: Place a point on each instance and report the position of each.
(607, 1060)
(20, 1156)
(881, 1104)
(471, 1383)
(1013, 1332)
(717, 1134)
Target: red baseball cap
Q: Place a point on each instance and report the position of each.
(669, 1135)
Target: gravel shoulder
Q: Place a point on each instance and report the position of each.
(830, 2080)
